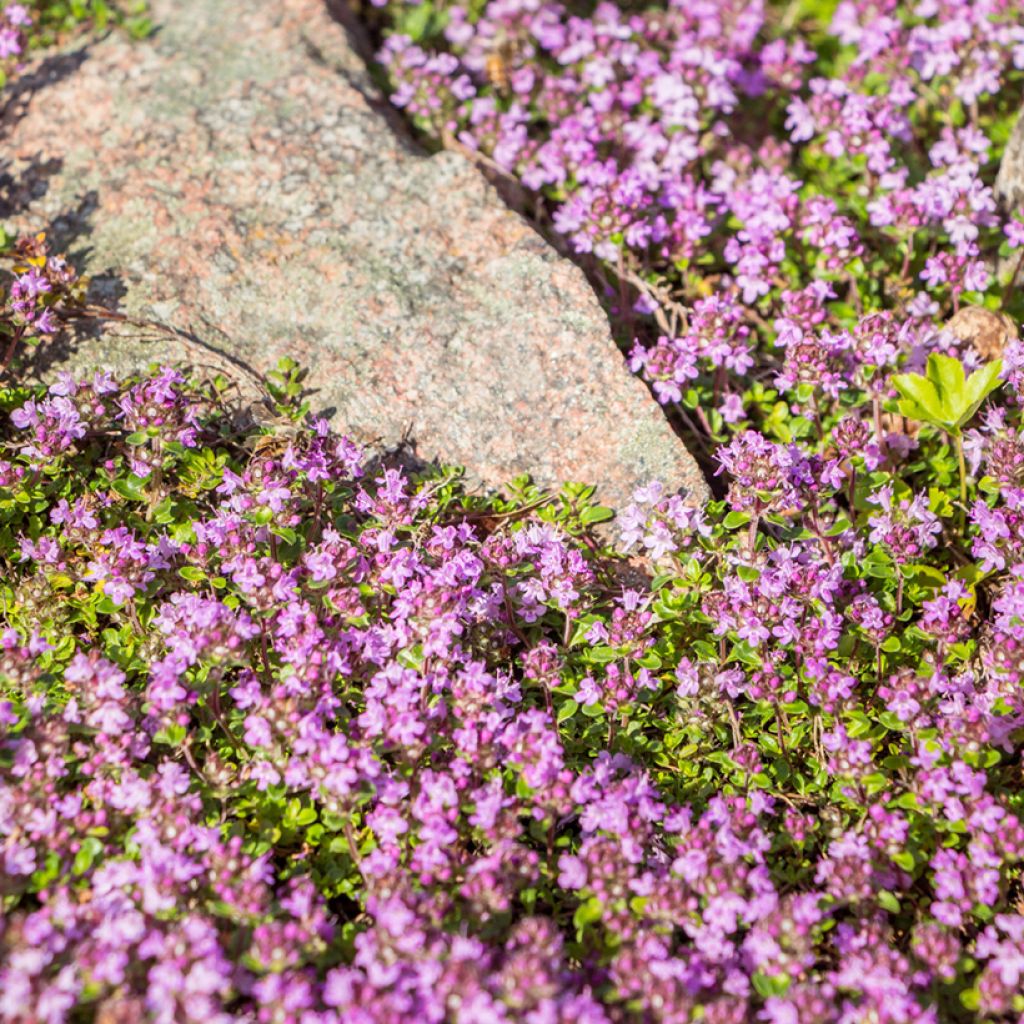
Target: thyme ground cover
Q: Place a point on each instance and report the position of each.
(287, 735)
(287, 740)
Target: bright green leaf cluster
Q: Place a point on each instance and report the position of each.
(945, 397)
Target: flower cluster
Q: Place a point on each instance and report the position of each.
(44, 287)
(283, 740)
(14, 20)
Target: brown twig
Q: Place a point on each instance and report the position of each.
(100, 313)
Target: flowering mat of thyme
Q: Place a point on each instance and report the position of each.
(289, 737)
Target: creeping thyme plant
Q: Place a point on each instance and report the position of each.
(290, 736)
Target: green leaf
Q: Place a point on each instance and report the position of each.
(306, 816)
(173, 735)
(334, 822)
(891, 721)
(904, 859)
(130, 487)
(907, 802)
(921, 398)
(768, 985)
(923, 575)
(735, 519)
(286, 533)
(587, 913)
(650, 660)
(90, 849)
(139, 28)
(416, 23)
(943, 397)
(971, 998)
(947, 374)
(887, 901)
(596, 514)
(979, 386)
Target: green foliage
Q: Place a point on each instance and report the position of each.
(943, 396)
(59, 17)
(287, 391)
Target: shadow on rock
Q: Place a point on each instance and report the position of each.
(19, 191)
(19, 94)
(71, 226)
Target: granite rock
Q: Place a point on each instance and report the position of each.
(239, 178)
(1009, 185)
